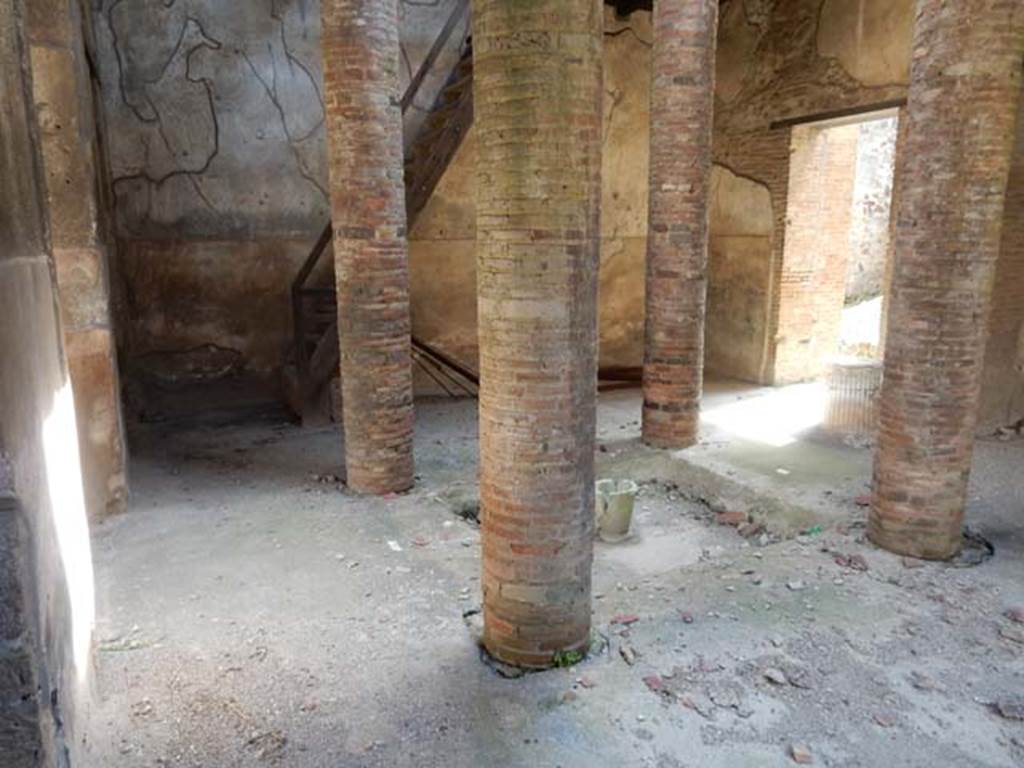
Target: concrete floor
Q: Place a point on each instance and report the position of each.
(251, 612)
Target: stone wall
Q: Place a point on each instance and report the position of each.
(79, 229)
(45, 564)
(21, 739)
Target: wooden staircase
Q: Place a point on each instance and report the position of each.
(310, 378)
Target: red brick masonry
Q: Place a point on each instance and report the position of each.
(952, 175)
(682, 102)
(537, 73)
(364, 127)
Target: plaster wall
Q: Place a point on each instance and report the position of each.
(739, 275)
(44, 538)
(1002, 398)
(215, 123)
(750, 184)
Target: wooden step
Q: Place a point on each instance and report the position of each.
(308, 386)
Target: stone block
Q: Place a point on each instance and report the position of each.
(49, 21)
(20, 745)
(93, 370)
(57, 82)
(16, 678)
(12, 623)
(19, 713)
(81, 280)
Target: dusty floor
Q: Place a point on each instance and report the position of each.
(253, 613)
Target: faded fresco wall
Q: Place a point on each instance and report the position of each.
(739, 274)
(217, 152)
(216, 212)
(750, 181)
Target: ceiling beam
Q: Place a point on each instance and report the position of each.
(626, 7)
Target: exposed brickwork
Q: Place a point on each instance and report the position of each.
(364, 125)
(682, 101)
(538, 121)
(812, 286)
(952, 172)
(772, 65)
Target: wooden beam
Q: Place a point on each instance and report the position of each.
(839, 114)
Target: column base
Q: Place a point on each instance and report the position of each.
(532, 660)
(924, 541)
(670, 431)
(371, 486)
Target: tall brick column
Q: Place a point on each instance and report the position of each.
(537, 75)
(951, 175)
(682, 103)
(364, 128)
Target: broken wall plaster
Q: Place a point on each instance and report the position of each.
(770, 66)
(870, 39)
(216, 117)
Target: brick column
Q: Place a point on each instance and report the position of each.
(682, 102)
(364, 128)
(537, 80)
(951, 175)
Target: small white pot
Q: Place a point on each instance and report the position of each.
(614, 508)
